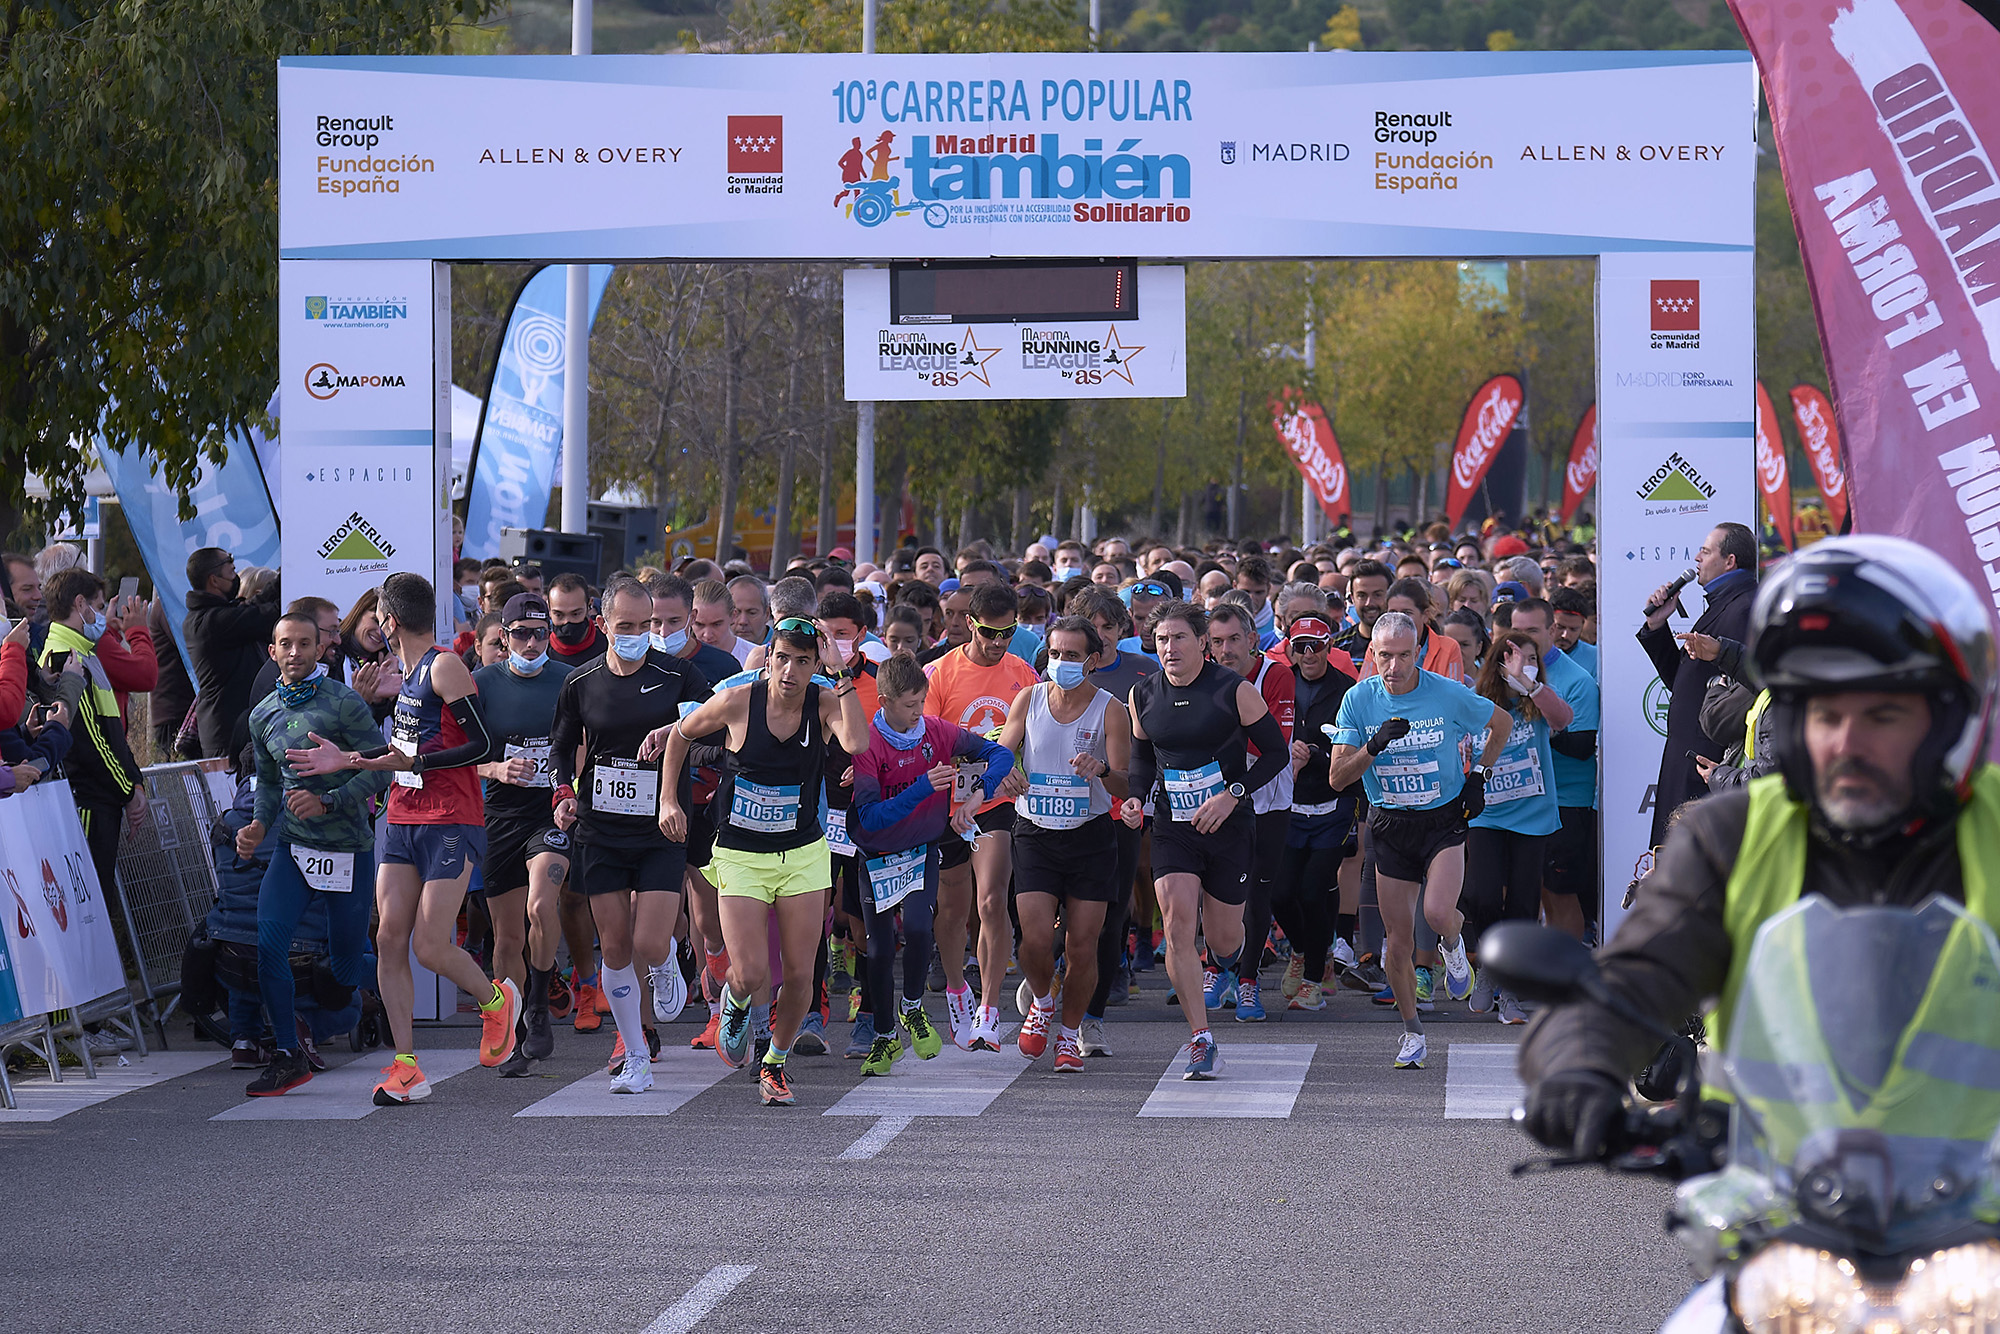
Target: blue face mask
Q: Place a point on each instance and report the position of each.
(1068, 675)
(672, 643)
(631, 647)
(93, 630)
(527, 666)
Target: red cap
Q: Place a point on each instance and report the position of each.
(1309, 627)
(1509, 545)
(841, 553)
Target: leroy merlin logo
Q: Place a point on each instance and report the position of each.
(356, 546)
(1676, 487)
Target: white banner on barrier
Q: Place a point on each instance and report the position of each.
(58, 920)
(1060, 358)
(1158, 156)
(1676, 440)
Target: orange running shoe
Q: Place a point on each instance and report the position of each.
(584, 995)
(705, 1040)
(617, 1056)
(496, 1024)
(401, 1082)
(599, 999)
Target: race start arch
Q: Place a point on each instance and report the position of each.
(391, 166)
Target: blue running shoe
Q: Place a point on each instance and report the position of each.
(1249, 1002)
(733, 1040)
(811, 1040)
(1201, 1059)
(1386, 996)
(1220, 987)
(862, 1039)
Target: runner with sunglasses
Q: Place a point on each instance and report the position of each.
(527, 857)
(770, 852)
(973, 686)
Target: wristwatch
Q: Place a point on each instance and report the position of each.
(1235, 790)
(1483, 772)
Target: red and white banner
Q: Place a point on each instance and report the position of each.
(1488, 418)
(1774, 474)
(1580, 474)
(1821, 438)
(1307, 436)
(58, 922)
(1882, 109)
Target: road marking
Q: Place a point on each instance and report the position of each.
(1254, 1080)
(703, 1297)
(44, 1100)
(679, 1075)
(877, 1138)
(955, 1083)
(1479, 1081)
(347, 1092)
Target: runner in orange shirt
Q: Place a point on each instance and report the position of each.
(1436, 653)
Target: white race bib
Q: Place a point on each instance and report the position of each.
(1514, 779)
(893, 878)
(763, 809)
(327, 872)
(536, 752)
(1187, 789)
(624, 787)
(408, 745)
(1056, 801)
(1409, 782)
(838, 841)
(965, 777)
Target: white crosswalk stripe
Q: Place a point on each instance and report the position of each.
(678, 1077)
(955, 1083)
(44, 1100)
(346, 1093)
(1254, 1081)
(1479, 1081)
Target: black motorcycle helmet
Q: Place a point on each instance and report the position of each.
(1878, 613)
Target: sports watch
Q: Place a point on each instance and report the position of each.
(1236, 790)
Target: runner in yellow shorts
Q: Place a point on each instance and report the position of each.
(770, 876)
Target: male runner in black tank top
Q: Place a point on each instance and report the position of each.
(770, 851)
(1189, 724)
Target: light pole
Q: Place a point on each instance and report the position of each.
(576, 350)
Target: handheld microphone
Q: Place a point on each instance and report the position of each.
(1685, 578)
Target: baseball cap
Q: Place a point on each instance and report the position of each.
(1509, 545)
(1309, 627)
(1155, 587)
(841, 553)
(524, 607)
(1510, 591)
(948, 586)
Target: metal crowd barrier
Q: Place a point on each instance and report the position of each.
(166, 877)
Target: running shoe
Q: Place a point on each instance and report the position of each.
(1510, 1010)
(811, 1040)
(1122, 987)
(1410, 1056)
(1425, 990)
(985, 1030)
(733, 1036)
(246, 1055)
(1033, 1039)
(853, 1011)
(1069, 1056)
(1295, 977)
(598, 1000)
(1342, 953)
(925, 1040)
(670, 991)
(307, 1047)
(1386, 996)
(538, 1038)
(705, 1040)
(496, 1025)
(401, 1082)
(959, 1008)
(518, 1066)
(287, 1070)
(634, 1075)
(584, 997)
(935, 979)
(1365, 974)
(1092, 1039)
(772, 1085)
(861, 1040)
(883, 1053)
(1307, 997)
(560, 1000)
(1482, 996)
(1218, 988)
(1024, 998)
(1249, 1002)
(1201, 1059)
(1458, 977)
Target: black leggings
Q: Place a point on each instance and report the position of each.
(1503, 879)
(918, 936)
(1308, 904)
(1266, 873)
(1117, 918)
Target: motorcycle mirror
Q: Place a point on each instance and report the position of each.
(1537, 963)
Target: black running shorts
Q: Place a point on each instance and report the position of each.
(1224, 860)
(1404, 842)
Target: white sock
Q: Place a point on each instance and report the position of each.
(621, 988)
(1045, 1003)
(1074, 1035)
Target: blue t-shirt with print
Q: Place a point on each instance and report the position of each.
(1584, 655)
(1521, 790)
(1420, 770)
(1576, 780)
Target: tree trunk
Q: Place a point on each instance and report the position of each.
(1382, 498)
(788, 450)
(732, 373)
(1423, 494)
(829, 518)
(1056, 524)
(1021, 519)
(1160, 486)
(1186, 519)
(966, 519)
(1236, 476)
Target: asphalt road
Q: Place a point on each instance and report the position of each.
(1319, 1190)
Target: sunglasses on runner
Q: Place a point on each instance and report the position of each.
(989, 632)
(799, 625)
(527, 632)
(1306, 644)
(1151, 588)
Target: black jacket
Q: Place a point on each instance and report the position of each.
(227, 640)
(1727, 616)
(1673, 951)
(1312, 787)
(173, 696)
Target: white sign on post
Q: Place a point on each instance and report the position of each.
(58, 920)
(1059, 358)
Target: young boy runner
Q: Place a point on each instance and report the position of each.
(902, 807)
(436, 832)
(769, 849)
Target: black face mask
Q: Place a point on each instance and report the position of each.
(235, 586)
(573, 633)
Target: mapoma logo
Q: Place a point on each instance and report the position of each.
(324, 380)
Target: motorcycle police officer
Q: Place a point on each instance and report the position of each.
(1880, 662)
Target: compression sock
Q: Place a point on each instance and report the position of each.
(538, 985)
(621, 988)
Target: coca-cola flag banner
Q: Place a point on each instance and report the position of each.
(1821, 438)
(1774, 479)
(1307, 436)
(1580, 474)
(1881, 111)
(1488, 418)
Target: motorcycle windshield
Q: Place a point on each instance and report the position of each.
(1864, 1053)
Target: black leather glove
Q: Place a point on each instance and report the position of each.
(1573, 1111)
(1394, 729)
(1473, 794)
